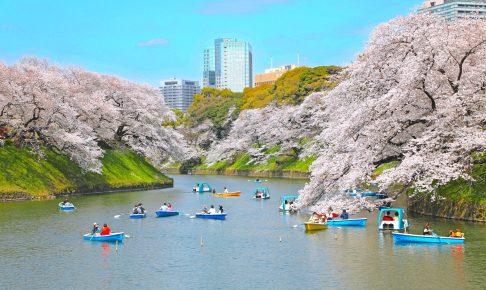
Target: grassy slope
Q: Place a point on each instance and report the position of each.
(460, 189)
(22, 172)
(277, 163)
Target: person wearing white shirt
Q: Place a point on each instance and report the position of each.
(212, 210)
(226, 190)
(164, 207)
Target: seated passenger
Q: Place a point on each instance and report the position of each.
(169, 207)
(105, 231)
(226, 190)
(135, 209)
(95, 229)
(427, 230)
(164, 207)
(388, 217)
(221, 209)
(456, 234)
(212, 210)
(205, 209)
(395, 218)
(258, 194)
(344, 215)
(314, 218)
(292, 207)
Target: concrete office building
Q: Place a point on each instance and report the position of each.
(178, 93)
(228, 65)
(272, 74)
(454, 9)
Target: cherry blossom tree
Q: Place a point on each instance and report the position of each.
(416, 95)
(75, 111)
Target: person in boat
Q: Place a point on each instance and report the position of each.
(164, 207)
(258, 194)
(314, 218)
(221, 209)
(388, 217)
(395, 218)
(329, 215)
(135, 209)
(205, 209)
(226, 190)
(257, 180)
(105, 230)
(95, 229)
(456, 234)
(292, 207)
(427, 230)
(196, 187)
(169, 207)
(214, 190)
(212, 210)
(140, 209)
(344, 215)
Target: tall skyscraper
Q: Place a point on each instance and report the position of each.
(454, 9)
(228, 65)
(178, 93)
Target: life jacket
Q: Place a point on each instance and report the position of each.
(105, 231)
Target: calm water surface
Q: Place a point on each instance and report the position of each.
(257, 247)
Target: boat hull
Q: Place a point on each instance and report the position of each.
(235, 193)
(315, 226)
(66, 208)
(137, 215)
(108, 238)
(161, 213)
(408, 238)
(361, 222)
(219, 216)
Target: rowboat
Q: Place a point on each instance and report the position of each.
(202, 187)
(106, 238)
(138, 215)
(261, 193)
(315, 226)
(67, 206)
(234, 193)
(214, 216)
(408, 238)
(164, 213)
(361, 222)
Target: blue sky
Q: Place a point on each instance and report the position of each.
(149, 40)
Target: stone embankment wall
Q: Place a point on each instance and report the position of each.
(448, 209)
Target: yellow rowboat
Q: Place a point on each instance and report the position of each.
(234, 193)
(315, 226)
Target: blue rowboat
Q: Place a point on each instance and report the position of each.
(408, 238)
(215, 216)
(137, 215)
(361, 222)
(113, 237)
(164, 213)
(68, 206)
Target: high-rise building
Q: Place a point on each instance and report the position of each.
(454, 9)
(272, 74)
(178, 93)
(228, 65)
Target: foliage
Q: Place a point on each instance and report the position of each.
(75, 110)
(292, 87)
(416, 95)
(180, 118)
(214, 105)
(24, 172)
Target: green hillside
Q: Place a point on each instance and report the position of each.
(22, 172)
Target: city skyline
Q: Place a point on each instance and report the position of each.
(152, 41)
